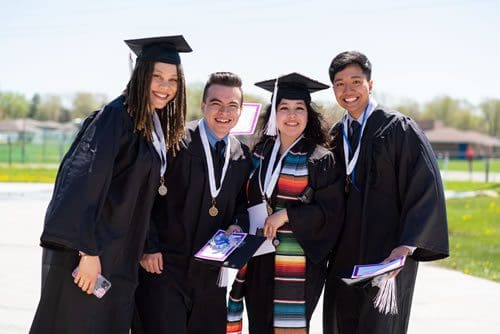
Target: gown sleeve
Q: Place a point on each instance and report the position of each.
(82, 187)
(158, 216)
(317, 225)
(422, 202)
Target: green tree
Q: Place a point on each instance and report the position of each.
(410, 108)
(84, 103)
(454, 113)
(35, 103)
(441, 108)
(64, 115)
(467, 120)
(331, 112)
(13, 105)
(50, 108)
(194, 93)
(491, 112)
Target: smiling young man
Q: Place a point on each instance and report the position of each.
(205, 184)
(394, 203)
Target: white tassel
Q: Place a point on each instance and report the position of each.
(271, 123)
(385, 301)
(223, 276)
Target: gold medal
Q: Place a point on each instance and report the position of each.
(268, 206)
(162, 189)
(213, 211)
(269, 209)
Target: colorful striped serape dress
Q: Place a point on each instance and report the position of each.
(275, 285)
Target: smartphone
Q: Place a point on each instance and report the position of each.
(102, 285)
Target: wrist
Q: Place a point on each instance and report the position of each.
(284, 216)
(85, 255)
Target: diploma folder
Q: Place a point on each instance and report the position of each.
(239, 256)
(364, 272)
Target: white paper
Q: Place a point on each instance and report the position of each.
(248, 119)
(257, 215)
(371, 270)
(266, 247)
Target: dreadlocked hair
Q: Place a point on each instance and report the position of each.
(172, 116)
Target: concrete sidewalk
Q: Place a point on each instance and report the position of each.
(478, 176)
(445, 301)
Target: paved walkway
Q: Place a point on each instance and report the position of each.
(445, 301)
(466, 176)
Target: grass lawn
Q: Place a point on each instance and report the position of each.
(474, 229)
(49, 153)
(467, 186)
(477, 165)
(27, 174)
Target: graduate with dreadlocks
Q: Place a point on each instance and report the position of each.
(297, 180)
(99, 214)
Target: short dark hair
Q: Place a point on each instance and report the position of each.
(346, 58)
(228, 79)
(315, 129)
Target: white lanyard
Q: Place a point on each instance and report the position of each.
(214, 191)
(159, 143)
(350, 165)
(272, 175)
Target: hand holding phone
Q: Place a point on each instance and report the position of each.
(102, 285)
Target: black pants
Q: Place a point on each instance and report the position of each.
(165, 305)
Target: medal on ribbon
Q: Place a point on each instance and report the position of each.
(214, 191)
(213, 211)
(162, 189)
(161, 149)
(272, 175)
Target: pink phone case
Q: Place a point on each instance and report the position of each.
(101, 287)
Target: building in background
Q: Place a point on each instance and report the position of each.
(455, 143)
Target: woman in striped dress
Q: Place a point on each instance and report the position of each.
(296, 178)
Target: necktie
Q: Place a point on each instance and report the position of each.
(218, 160)
(354, 137)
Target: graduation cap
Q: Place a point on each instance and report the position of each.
(163, 49)
(293, 86)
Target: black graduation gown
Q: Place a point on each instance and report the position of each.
(316, 226)
(186, 293)
(101, 205)
(401, 202)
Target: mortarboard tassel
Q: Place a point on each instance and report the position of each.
(271, 123)
(385, 301)
(222, 279)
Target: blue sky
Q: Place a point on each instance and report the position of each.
(419, 49)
